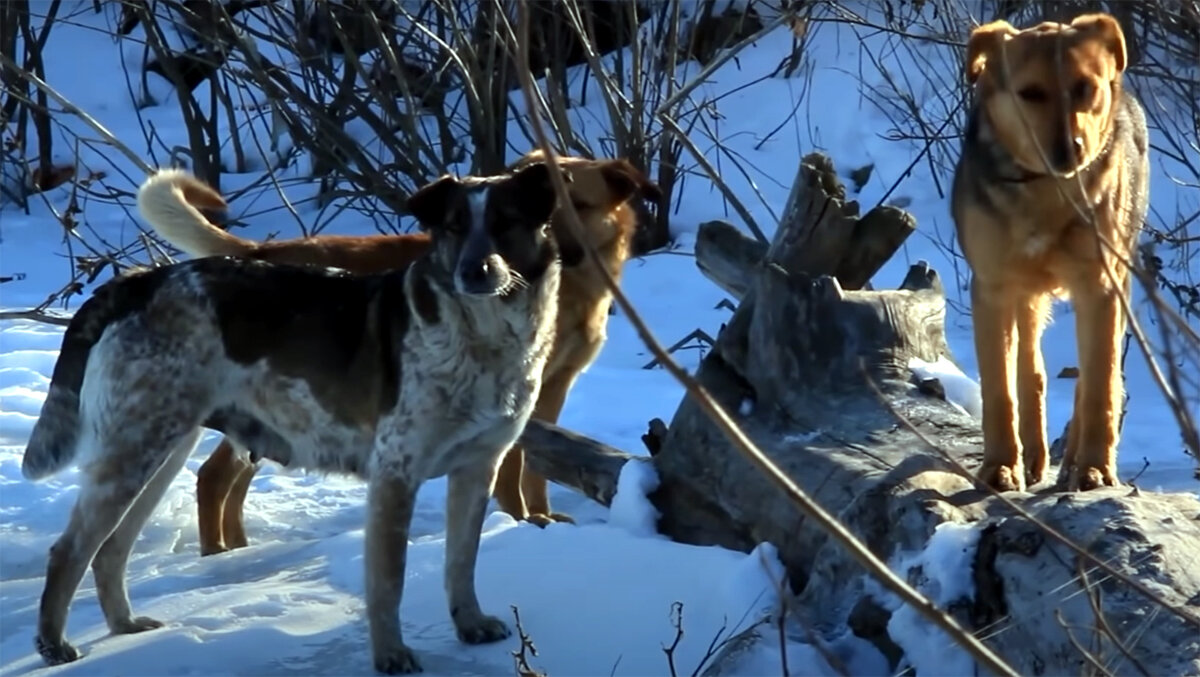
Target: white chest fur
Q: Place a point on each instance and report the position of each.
(468, 381)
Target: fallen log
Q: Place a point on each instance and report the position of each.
(820, 234)
(817, 375)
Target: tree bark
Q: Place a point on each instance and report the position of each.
(813, 372)
(820, 234)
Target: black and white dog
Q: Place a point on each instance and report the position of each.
(397, 378)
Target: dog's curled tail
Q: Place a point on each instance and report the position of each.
(54, 442)
(171, 200)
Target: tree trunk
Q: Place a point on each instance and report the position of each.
(805, 368)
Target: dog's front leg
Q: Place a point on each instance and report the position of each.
(466, 503)
(1032, 314)
(993, 313)
(1099, 330)
(390, 500)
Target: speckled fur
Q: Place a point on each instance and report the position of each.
(451, 379)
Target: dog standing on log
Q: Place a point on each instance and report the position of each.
(1049, 197)
(400, 377)
(601, 190)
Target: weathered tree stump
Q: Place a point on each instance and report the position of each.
(813, 372)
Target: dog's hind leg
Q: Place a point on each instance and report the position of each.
(534, 488)
(214, 481)
(109, 565)
(1032, 315)
(390, 502)
(508, 484)
(467, 493)
(993, 314)
(234, 521)
(1071, 450)
(120, 472)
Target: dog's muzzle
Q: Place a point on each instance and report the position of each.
(1066, 155)
(482, 277)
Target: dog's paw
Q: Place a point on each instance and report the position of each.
(543, 520)
(205, 551)
(397, 660)
(1034, 476)
(56, 653)
(483, 630)
(1062, 480)
(132, 626)
(1086, 479)
(1035, 472)
(1002, 477)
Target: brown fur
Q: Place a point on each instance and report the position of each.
(1054, 165)
(600, 191)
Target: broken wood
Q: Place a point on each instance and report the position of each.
(727, 256)
(820, 233)
(573, 460)
(695, 335)
(815, 374)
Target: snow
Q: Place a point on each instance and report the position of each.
(942, 572)
(597, 597)
(961, 390)
(631, 508)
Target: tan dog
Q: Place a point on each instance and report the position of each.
(600, 191)
(1049, 196)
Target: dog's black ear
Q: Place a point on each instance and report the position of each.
(982, 46)
(431, 203)
(535, 192)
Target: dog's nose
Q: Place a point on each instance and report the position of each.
(1066, 154)
(476, 274)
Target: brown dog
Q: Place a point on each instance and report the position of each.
(1049, 196)
(600, 191)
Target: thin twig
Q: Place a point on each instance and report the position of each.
(1102, 622)
(784, 17)
(78, 112)
(1087, 655)
(36, 316)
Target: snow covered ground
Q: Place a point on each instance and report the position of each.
(595, 598)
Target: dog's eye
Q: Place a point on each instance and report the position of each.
(1032, 94)
(1083, 90)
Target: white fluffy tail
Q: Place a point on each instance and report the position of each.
(170, 201)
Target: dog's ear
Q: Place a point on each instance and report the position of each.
(624, 181)
(982, 46)
(535, 192)
(539, 201)
(431, 203)
(1105, 29)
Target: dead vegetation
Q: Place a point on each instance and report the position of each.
(349, 105)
